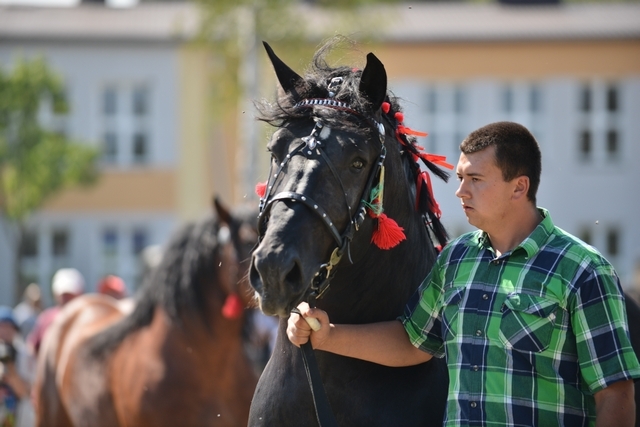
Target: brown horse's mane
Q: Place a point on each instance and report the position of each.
(177, 285)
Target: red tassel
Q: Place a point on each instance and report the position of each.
(434, 207)
(388, 234)
(386, 107)
(408, 131)
(233, 307)
(261, 189)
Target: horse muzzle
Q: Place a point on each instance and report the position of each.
(279, 278)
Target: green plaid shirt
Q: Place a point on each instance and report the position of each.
(529, 336)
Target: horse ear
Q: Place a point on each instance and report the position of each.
(373, 83)
(223, 212)
(286, 76)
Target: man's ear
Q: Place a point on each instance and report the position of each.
(521, 187)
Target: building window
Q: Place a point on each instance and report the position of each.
(535, 100)
(139, 148)
(110, 242)
(612, 98)
(432, 101)
(140, 101)
(109, 101)
(585, 235)
(110, 149)
(585, 98)
(507, 99)
(125, 121)
(613, 242)
(612, 143)
(29, 244)
(140, 240)
(60, 243)
(459, 100)
(585, 144)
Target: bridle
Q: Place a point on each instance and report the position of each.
(312, 147)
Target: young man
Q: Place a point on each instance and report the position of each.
(531, 320)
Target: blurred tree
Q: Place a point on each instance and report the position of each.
(35, 163)
(234, 29)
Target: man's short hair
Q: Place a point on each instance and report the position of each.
(517, 151)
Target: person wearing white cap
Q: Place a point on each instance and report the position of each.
(66, 284)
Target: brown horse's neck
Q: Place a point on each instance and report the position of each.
(207, 361)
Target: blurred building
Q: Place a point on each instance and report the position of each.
(139, 90)
(569, 72)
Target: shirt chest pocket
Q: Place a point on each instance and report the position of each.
(451, 312)
(527, 322)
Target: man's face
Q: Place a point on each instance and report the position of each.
(483, 192)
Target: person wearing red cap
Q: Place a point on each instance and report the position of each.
(113, 286)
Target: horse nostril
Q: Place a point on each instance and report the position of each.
(294, 277)
(254, 278)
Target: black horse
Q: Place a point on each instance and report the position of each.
(341, 155)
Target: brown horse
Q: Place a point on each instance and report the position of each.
(176, 359)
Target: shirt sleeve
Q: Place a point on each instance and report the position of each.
(421, 317)
(600, 324)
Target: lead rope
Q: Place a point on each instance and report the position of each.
(324, 414)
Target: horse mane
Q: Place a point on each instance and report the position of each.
(315, 83)
(176, 284)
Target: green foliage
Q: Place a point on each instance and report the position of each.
(35, 163)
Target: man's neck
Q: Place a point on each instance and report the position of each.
(514, 230)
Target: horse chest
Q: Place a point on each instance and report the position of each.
(360, 393)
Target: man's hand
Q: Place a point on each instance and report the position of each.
(299, 330)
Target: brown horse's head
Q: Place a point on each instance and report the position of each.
(237, 235)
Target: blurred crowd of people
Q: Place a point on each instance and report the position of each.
(22, 330)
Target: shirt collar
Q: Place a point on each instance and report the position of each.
(532, 244)
(539, 235)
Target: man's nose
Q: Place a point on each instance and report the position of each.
(460, 192)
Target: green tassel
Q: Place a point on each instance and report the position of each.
(377, 193)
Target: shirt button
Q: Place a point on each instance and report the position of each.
(485, 296)
(474, 404)
(475, 367)
(478, 333)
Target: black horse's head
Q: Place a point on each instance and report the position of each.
(337, 161)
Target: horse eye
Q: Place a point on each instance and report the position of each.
(357, 164)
